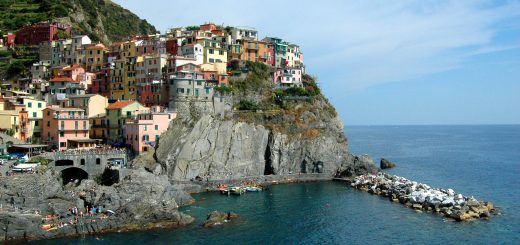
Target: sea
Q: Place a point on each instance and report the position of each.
(479, 161)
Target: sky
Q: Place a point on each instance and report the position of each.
(382, 62)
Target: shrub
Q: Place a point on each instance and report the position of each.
(296, 91)
(223, 89)
(247, 105)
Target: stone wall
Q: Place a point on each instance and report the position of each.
(92, 163)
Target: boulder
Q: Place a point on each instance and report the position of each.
(384, 164)
(218, 218)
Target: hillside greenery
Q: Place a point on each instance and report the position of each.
(102, 20)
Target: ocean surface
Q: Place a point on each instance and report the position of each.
(483, 161)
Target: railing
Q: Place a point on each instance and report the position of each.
(70, 117)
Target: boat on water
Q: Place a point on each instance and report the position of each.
(237, 190)
(253, 189)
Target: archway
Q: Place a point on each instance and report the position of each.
(73, 174)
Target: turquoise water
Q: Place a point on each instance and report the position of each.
(483, 161)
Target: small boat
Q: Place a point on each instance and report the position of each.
(224, 192)
(237, 190)
(253, 189)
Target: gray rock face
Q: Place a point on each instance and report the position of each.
(140, 201)
(216, 149)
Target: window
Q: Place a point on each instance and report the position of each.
(62, 134)
(199, 83)
(29, 104)
(84, 124)
(211, 60)
(221, 52)
(156, 127)
(145, 128)
(156, 138)
(62, 125)
(36, 123)
(48, 123)
(76, 125)
(82, 162)
(39, 105)
(98, 161)
(35, 114)
(211, 51)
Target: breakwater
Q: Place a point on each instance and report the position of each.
(422, 197)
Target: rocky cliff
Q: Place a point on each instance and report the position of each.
(141, 200)
(303, 137)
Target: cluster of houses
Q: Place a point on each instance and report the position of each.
(81, 93)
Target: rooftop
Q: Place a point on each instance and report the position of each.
(120, 104)
(62, 79)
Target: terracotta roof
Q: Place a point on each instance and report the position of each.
(120, 104)
(96, 46)
(62, 79)
(117, 43)
(74, 66)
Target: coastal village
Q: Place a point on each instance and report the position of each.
(83, 98)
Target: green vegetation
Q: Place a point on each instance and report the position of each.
(223, 89)
(104, 21)
(192, 28)
(247, 105)
(42, 160)
(118, 22)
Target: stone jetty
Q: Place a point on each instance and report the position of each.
(422, 197)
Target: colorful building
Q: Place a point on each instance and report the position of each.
(116, 116)
(214, 52)
(144, 131)
(66, 128)
(34, 110)
(288, 77)
(92, 104)
(95, 57)
(40, 32)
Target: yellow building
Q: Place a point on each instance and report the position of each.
(214, 52)
(129, 75)
(95, 57)
(116, 116)
(34, 110)
(117, 90)
(98, 127)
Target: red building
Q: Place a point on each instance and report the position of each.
(172, 46)
(208, 27)
(9, 40)
(101, 85)
(151, 94)
(40, 32)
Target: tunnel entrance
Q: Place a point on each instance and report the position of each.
(75, 175)
(64, 163)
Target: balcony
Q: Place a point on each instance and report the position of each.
(73, 129)
(70, 117)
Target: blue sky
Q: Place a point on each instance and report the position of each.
(386, 62)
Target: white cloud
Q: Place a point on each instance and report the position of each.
(358, 44)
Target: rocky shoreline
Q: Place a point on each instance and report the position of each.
(422, 197)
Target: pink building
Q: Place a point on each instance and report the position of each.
(143, 132)
(288, 77)
(65, 128)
